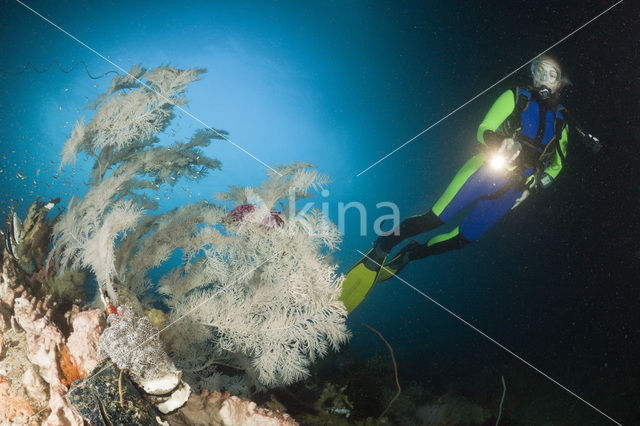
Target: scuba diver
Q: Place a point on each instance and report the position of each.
(523, 147)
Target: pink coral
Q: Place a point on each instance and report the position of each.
(12, 407)
(44, 344)
(83, 341)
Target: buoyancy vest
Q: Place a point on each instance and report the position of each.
(537, 126)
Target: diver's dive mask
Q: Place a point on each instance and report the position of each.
(546, 77)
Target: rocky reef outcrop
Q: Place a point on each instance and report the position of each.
(216, 408)
(41, 356)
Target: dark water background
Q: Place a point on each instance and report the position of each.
(342, 84)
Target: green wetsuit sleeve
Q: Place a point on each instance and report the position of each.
(499, 111)
(554, 168)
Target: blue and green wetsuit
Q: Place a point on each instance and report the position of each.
(543, 133)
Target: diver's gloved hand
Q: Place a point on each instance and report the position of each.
(510, 149)
(521, 198)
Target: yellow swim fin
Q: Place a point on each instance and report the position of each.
(387, 271)
(360, 279)
(397, 264)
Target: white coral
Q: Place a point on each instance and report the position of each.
(266, 297)
(255, 291)
(122, 137)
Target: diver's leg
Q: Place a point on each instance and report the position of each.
(484, 214)
(442, 243)
(468, 185)
(482, 217)
(413, 251)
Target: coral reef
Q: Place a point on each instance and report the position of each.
(41, 370)
(33, 368)
(256, 295)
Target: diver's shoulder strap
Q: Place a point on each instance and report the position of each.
(513, 123)
(522, 99)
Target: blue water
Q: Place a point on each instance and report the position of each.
(341, 85)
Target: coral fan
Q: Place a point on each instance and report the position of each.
(255, 290)
(129, 161)
(266, 297)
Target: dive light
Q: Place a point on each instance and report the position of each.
(497, 161)
(508, 151)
